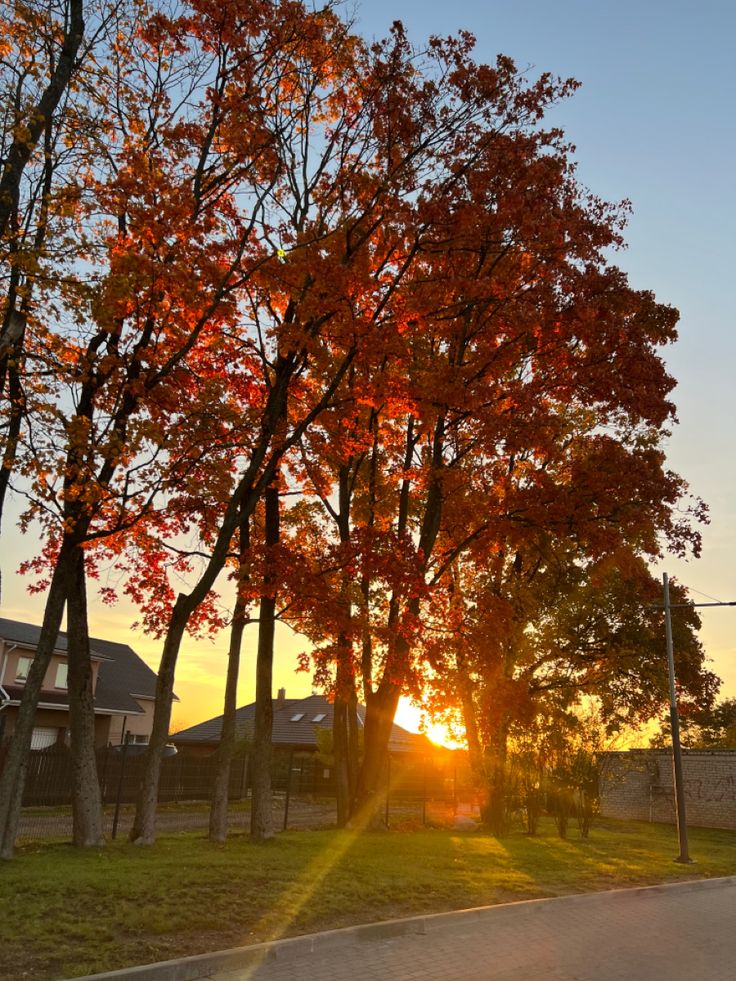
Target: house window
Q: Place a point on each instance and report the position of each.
(142, 739)
(61, 673)
(24, 666)
(298, 717)
(319, 718)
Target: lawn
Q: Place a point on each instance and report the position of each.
(65, 912)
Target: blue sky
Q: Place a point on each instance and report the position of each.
(654, 122)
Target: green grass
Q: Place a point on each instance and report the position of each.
(65, 912)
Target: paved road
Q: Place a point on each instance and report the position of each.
(682, 932)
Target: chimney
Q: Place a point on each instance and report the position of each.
(281, 697)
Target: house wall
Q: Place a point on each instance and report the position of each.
(639, 785)
(11, 656)
(44, 719)
(135, 725)
(54, 719)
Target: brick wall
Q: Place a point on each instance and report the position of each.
(638, 785)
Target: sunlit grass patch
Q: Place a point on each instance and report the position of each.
(125, 905)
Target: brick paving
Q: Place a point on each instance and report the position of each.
(680, 932)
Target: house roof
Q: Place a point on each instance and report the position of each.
(209, 731)
(294, 724)
(122, 673)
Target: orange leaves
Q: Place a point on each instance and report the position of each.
(373, 272)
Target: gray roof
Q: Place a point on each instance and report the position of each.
(209, 731)
(122, 673)
(294, 724)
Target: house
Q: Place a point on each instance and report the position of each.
(295, 724)
(123, 684)
(417, 765)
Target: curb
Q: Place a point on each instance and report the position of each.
(203, 966)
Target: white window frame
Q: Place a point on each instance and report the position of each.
(22, 678)
(62, 675)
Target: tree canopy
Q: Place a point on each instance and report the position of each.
(337, 316)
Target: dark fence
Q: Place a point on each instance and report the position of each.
(49, 776)
(421, 789)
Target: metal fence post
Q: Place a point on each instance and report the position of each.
(120, 790)
(424, 790)
(388, 788)
(288, 788)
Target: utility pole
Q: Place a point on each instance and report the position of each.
(675, 728)
(675, 719)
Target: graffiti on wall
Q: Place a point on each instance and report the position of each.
(711, 791)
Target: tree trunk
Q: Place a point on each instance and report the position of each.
(261, 815)
(353, 747)
(476, 758)
(143, 831)
(88, 828)
(15, 410)
(38, 116)
(340, 749)
(258, 474)
(372, 790)
(221, 786)
(344, 681)
(12, 781)
(343, 728)
(495, 812)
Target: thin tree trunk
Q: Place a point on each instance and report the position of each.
(88, 829)
(12, 781)
(15, 411)
(221, 786)
(381, 705)
(261, 815)
(340, 749)
(495, 812)
(476, 758)
(143, 831)
(371, 791)
(345, 734)
(37, 117)
(353, 747)
(345, 677)
(242, 504)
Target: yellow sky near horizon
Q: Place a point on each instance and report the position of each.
(200, 676)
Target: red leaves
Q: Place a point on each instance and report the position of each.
(373, 272)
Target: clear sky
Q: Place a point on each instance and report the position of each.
(654, 122)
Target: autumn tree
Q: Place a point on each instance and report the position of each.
(169, 218)
(54, 83)
(366, 270)
(708, 727)
(541, 637)
(357, 136)
(44, 55)
(517, 336)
